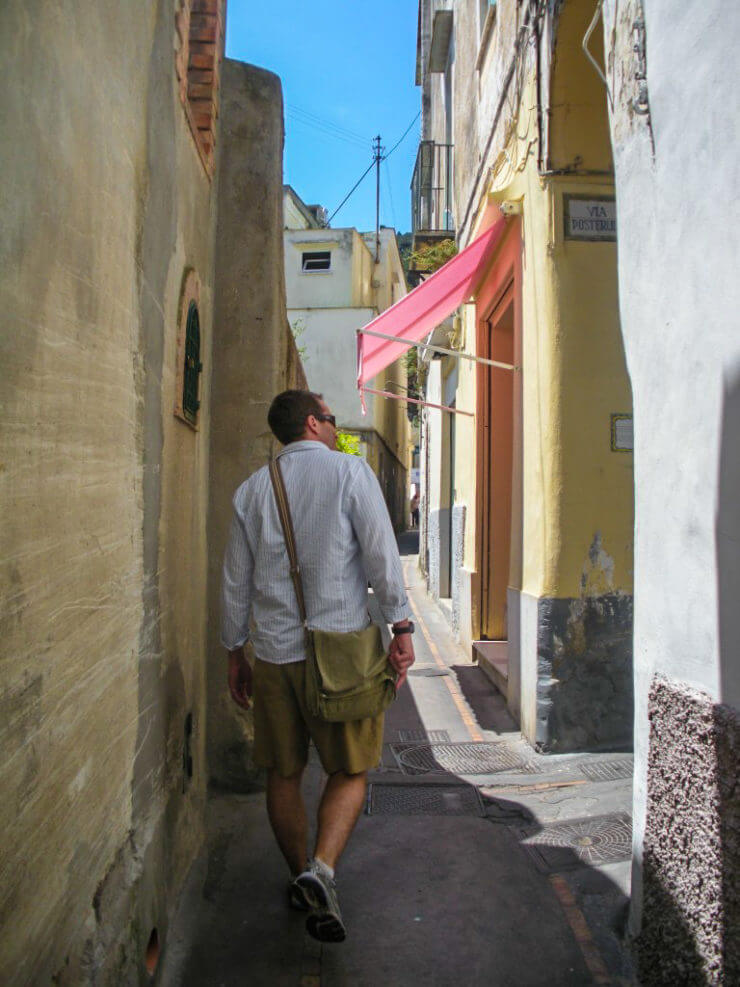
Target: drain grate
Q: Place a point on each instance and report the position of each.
(564, 845)
(608, 770)
(463, 759)
(424, 736)
(424, 800)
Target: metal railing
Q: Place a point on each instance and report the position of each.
(431, 189)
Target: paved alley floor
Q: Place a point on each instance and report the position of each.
(477, 861)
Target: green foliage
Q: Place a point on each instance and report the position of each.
(431, 256)
(346, 442)
(298, 328)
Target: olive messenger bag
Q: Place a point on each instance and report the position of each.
(348, 675)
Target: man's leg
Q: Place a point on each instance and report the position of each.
(287, 814)
(341, 804)
(340, 807)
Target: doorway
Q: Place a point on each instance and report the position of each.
(498, 469)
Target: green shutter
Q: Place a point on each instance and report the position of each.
(193, 366)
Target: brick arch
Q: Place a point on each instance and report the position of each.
(199, 26)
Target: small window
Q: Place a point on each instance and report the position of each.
(316, 260)
(193, 366)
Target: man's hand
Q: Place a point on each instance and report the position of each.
(401, 656)
(240, 678)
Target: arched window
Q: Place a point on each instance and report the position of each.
(199, 26)
(193, 366)
(189, 363)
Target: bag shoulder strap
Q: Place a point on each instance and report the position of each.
(281, 497)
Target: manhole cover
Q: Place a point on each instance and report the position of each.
(421, 736)
(608, 770)
(463, 759)
(424, 800)
(563, 845)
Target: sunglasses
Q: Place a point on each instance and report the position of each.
(327, 418)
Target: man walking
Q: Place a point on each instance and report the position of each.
(344, 538)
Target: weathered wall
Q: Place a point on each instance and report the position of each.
(327, 337)
(105, 492)
(325, 309)
(571, 550)
(677, 170)
(691, 850)
(254, 358)
(347, 283)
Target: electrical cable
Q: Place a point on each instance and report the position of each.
(403, 134)
(369, 168)
(325, 122)
(325, 132)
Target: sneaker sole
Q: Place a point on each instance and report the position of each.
(313, 891)
(297, 899)
(321, 924)
(325, 927)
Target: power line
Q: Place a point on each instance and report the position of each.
(325, 131)
(369, 168)
(325, 122)
(403, 134)
(378, 156)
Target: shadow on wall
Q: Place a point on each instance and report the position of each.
(727, 718)
(728, 545)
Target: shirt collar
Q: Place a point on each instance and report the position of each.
(302, 445)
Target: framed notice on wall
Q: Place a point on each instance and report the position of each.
(589, 217)
(622, 436)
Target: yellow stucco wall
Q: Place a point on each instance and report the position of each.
(577, 493)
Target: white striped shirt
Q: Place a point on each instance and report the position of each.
(344, 538)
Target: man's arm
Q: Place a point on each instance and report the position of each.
(240, 678)
(236, 603)
(374, 531)
(369, 516)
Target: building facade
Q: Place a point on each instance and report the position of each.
(338, 280)
(123, 430)
(528, 489)
(678, 249)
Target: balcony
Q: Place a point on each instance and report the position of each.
(431, 191)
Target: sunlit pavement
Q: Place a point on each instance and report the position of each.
(514, 877)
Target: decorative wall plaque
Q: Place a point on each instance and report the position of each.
(622, 439)
(590, 217)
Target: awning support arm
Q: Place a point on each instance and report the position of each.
(439, 349)
(425, 404)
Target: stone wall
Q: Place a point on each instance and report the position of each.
(584, 673)
(691, 852)
(671, 162)
(110, 227)
(254, 358)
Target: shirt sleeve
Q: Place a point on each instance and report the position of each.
(372, 525)
(236, 586)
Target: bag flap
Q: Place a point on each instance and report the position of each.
(346, 659)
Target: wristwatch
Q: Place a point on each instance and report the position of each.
(407, 628)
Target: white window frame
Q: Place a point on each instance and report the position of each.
(314, 255)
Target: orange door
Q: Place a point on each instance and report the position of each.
(498, 471)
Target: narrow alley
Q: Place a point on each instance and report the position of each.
(476, 862)
(468, 270)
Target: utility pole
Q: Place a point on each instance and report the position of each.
(377, 159)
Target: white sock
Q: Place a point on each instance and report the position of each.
(329, 871)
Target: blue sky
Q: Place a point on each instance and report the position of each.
(347, 69)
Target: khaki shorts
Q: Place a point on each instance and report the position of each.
(283, 727)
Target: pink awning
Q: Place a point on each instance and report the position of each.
(424, 308)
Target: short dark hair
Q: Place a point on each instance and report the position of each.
(289, 411)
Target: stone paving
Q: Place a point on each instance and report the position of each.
(477, 862)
